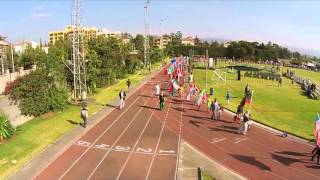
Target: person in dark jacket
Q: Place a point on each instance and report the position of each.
(161, 101)
(316, 152)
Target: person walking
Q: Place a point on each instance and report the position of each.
(191, 78)
(161, 101)
(157, 89)
(238, 114)
(215, 109)
(122, 96)
(209, 103)
(246, 89)
(279, 81)
(84, 115)
(245, 123)
(316, 152)
(228, 96)
(128, 84)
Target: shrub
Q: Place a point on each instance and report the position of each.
(6, 129)
(9, 86)
(38, 93)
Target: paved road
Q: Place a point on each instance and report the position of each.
(142, 142)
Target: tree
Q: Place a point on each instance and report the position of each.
(31, 56)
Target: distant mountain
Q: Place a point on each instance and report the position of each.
(310, 52)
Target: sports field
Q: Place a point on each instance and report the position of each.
(285, 108)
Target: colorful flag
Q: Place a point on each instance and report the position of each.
(170, 70)
(317, 129)
(248, 99)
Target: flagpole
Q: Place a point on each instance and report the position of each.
(251, 100)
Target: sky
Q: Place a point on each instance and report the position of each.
(286, 22)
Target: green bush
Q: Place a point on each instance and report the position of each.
(38, 93)
(6, 129)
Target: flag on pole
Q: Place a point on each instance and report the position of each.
(248, 98)
(317, 129)
(170, 70)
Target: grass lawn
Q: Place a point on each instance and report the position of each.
(286, 107)
(34, 136)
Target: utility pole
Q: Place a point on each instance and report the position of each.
(146, 34)
(12, 61)
(78, 62)
(207, 61)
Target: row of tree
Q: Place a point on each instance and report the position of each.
(47, 89)
(238, 50)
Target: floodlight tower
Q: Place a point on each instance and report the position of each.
(146, 34)
(78, 63)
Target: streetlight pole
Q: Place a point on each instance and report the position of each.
(12, 61)
(207, 60)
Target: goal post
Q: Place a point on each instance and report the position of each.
(219, 76)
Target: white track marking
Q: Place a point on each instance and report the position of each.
(215, 140)
(112, 146)
(135, 144)
(179, 142)
(166, 152)
(99, 137)
(149, 150)
(240, 140)
(120, 148)
(83, 143)
(101, 146)
(158, 142)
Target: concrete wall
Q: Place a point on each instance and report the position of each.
(12, 112)
(9, 77)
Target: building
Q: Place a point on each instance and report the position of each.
(22, 46)
(188, 41)
(227, 44)
(107, 33)
(87, 32)
(161, 42)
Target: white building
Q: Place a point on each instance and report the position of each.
(21, 46)
(188, 41)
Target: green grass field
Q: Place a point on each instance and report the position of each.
(285, 108)
(34, 136)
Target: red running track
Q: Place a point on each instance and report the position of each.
(141, 142)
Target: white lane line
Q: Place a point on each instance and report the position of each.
(166, 152)
(99, 137)
(158, 142)
(240, 140)
(216, 140)
(135, 144)
(140, 150)
(179, 142)
(123, 132)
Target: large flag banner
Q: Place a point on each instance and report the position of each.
(248, 99)
(170, 70)
(175, 85)
(317, 129)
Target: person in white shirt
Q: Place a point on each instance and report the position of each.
(84, 115)
(122, 96)
(157, 89)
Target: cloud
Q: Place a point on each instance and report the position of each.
(41, 15)
(38, 8)
(39, 12)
